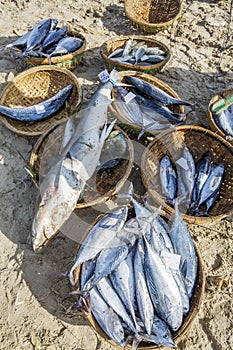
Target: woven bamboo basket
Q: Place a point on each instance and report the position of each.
(111, 45)
(69, 61)
(34, 86)
(178, 336)
(99, 188)
(152, 80)
(212, 124)
(152, 16)
(198, 140)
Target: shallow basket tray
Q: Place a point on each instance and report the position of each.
(198, 140)
(152, 15)
(195, 304)
(152, 80)
(34, 86)
(69, 61)
(211, 122)
(98, 190)
(112, 44)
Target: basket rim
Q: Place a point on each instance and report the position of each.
(23, 74)
(196, 301)
(158, 82)
(154, 66)
(214, 127)
(62, 58)
(103, 198)
(128, 7)
(157, 197)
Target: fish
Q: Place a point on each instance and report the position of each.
(168, 179)
(41, 110)
(210, 202)
(116, 53)
(65, 181)
(107, 319)
(140, 52)
(186, 171)
(154, 92)
(163, 289)
(123, 281)
(145, 306)
(128, 47)
(66, 45)
(99, 237)
(38, 34)
(21, 42)
(110, 257)
(183, 245)
(203, 169)
(212, 184)
(224, 120)
(53, 37)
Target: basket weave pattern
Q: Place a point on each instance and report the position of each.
(34, 86)
(152, 15)
(198, 140)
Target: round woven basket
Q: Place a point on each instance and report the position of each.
(99, 188)
(195, 304)
(111, 45)
(69, 61)
(211, 121)
(152, 80)
(198, 140)
(152, 15)
(34, 86)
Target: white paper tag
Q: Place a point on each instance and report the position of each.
(129, 97)
(104, 76)
(39, 109)
(183, 163)
(144, 58)
(171, 260)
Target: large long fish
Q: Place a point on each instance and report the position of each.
(63, 184)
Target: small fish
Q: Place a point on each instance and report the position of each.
(116, 53)
(140, 52)
(41, 110)
(224, 120)
(168, 179)
(154, 92)
(155, 58)
(128, 47)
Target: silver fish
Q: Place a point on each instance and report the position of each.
(116, 53)
(225, 120)
(163, 289)
(62, 186)
(145, 306)
(110, 257)
(183, 245)
(99, 237)
(168, 179)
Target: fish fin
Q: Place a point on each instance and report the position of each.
(109, 129)
(128, 194)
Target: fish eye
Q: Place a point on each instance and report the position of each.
(165, 336)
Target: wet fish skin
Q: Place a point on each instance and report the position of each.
(225, 120)
(163, 290)
(168, 179)
(53, 37)
(145, 306)
(99, 237)
(210, 202)
(116, 53)
(66, 45)
(183, 245)
(21, 42)
(41, 110)
(154, 92)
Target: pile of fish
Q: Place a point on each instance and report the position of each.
(146, 106)
(137, 52)
(196, 185)
(46, 40)
(39, 111)
(64, 183)
(137, 275)
(222, 111)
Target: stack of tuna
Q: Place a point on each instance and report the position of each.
(45, 40)
(137, 275)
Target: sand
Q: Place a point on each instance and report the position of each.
(34, 300)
